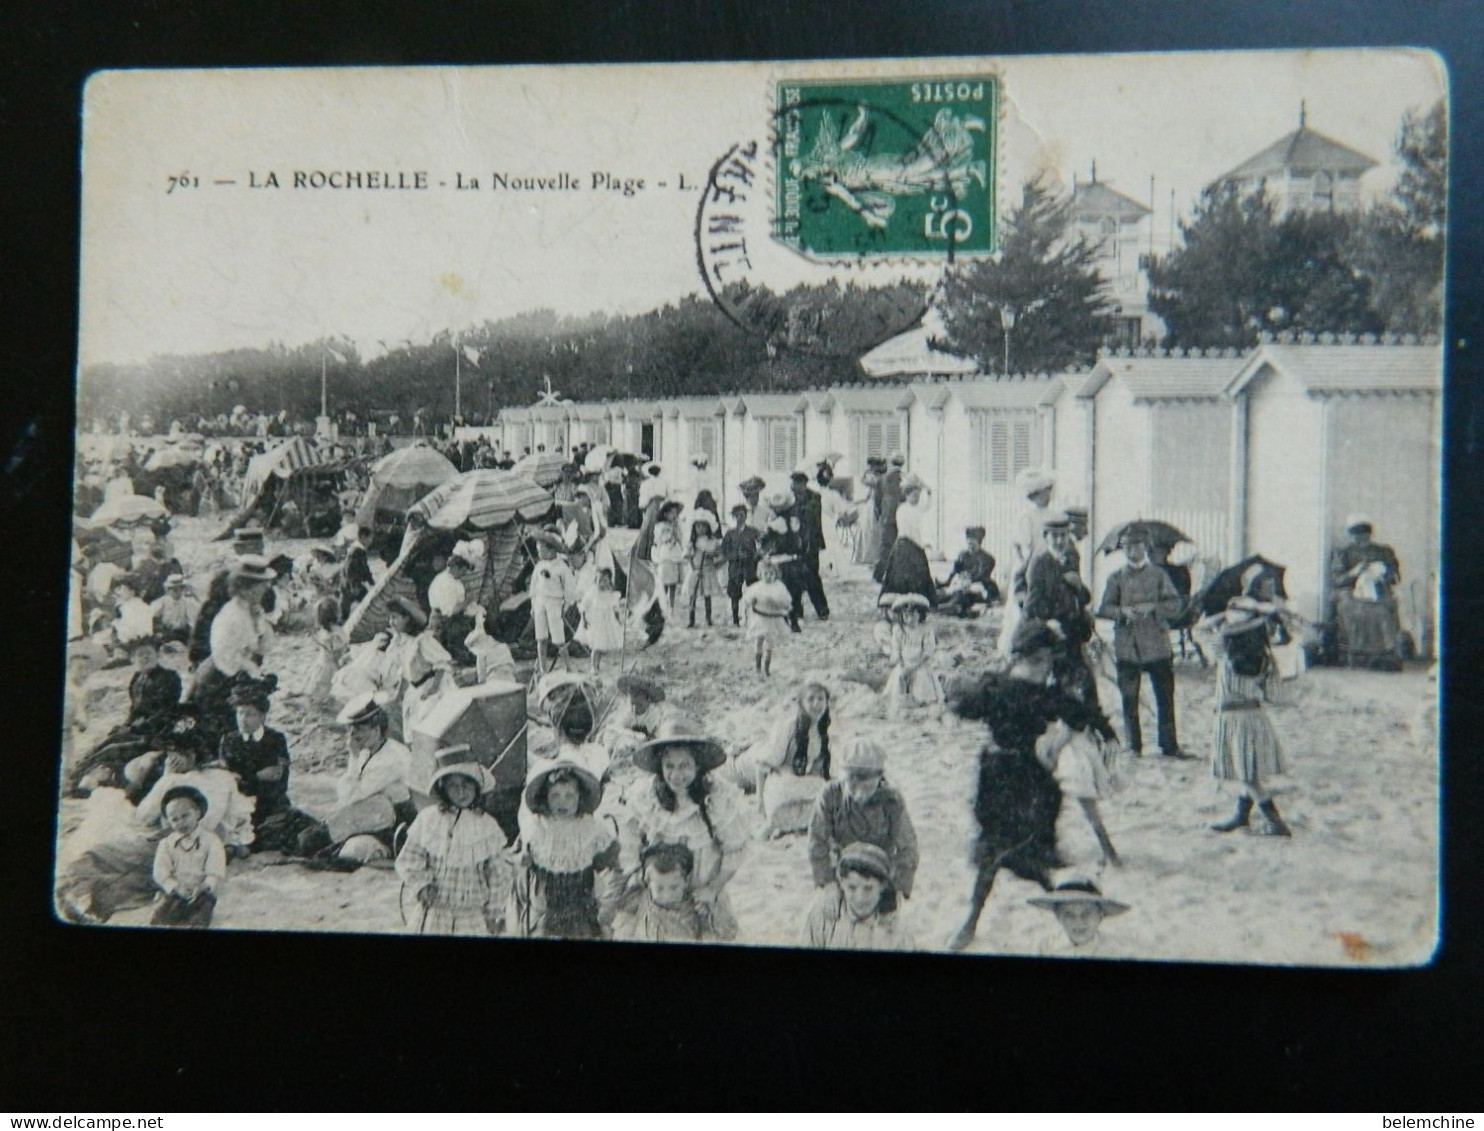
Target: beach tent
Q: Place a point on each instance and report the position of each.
(486, 504)
(290, 471)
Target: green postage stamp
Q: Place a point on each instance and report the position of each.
(884, 168)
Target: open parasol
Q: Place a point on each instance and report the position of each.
(483, 499)
(1228, 583)
(1160, 534)
(403, 478)
(127, 510)
(541, 468)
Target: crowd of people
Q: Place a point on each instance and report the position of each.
(633, 820)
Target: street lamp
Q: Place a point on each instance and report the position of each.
(1007, 323)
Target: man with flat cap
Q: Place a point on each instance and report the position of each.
(1141, 600)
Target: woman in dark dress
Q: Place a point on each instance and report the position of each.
(1018, 797)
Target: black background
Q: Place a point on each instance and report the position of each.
(121, 1020)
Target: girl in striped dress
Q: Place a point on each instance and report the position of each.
(1247, 751)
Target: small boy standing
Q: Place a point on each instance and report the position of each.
(861, 807)
(190, 863)
(739, 550)
(553, 588)
(663, 909)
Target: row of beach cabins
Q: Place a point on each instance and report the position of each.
(1263, 451)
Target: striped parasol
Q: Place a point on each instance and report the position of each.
(542, 468)
(403, 478)
(483, 499)
(282, 461)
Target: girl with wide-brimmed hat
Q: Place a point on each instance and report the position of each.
(910, 644)
(1080, 907)
(454, 861)
(680, 800)
(565, 882)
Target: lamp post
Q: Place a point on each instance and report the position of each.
(1007, 323)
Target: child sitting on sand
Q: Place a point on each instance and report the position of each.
(861, 807)
(858, 913)
(909, 644)
(190, 863)
(454, 861)
(663, 908)
(765, 609)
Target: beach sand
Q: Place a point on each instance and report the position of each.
(1356, 885)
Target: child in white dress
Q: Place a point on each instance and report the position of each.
(765, 608)
(602, 628)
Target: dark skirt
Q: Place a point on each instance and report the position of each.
(905, 570)
(557, 905)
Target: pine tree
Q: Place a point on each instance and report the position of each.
(1037, 306)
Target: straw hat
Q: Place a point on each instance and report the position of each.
(367, 707)
(1033, 480)
(590, 789)
(254, 567)
(909, 601)
(1078, 891)
(452, 760)
(753, 483)
(680, 732)
(898, 459)
(779, 500)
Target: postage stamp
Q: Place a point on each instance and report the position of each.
(903, 167)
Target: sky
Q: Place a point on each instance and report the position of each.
(208, 266)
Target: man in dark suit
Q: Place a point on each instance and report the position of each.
(809, 510)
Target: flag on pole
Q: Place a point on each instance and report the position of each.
(336, 354)
(472, 355)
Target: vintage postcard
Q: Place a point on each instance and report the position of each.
(983, 505)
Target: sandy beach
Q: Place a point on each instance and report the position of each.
(1354, 886)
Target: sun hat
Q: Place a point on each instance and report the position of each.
(752, 483)
(148, 640)
(590, 788)
(898, 458)
(1078, 891)
(175, 581)
(864, 857)
(779, 500)
(253, 567)
(1032, 480)
(367, 707)
(451, 760)
(1242, 615)
(633, 683)
(1358, 519)
(862, 753)
(1055, 519)
(708, 752)
(551, 541)
(910, 601)
(913, 482)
